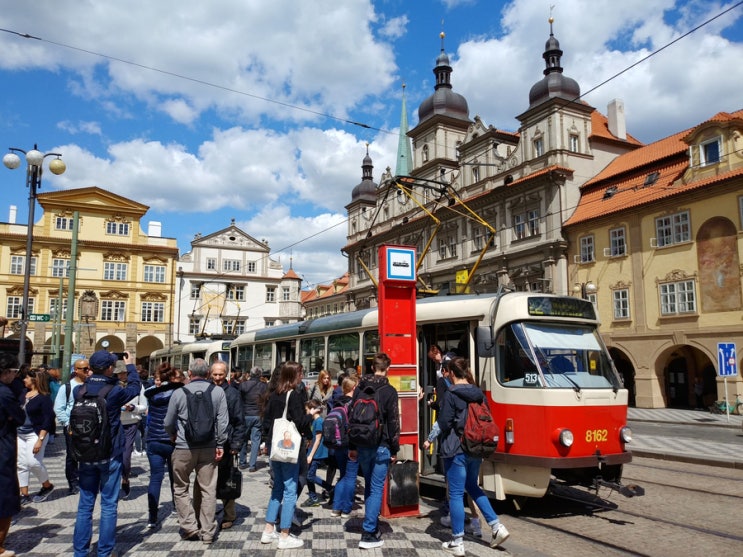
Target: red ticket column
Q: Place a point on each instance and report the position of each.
(397, 335)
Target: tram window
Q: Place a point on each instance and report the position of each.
(312, 355)
(515, 365)
(341, 348)
(263, 356)
(371, 347)
(245, 357)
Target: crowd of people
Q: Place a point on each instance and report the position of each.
(201, 423)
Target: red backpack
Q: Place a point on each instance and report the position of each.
(480, 435)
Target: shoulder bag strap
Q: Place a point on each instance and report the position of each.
(286, 406)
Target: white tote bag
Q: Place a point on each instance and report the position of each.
(286, 439)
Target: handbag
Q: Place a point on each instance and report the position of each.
(230, 482)
(286, 439)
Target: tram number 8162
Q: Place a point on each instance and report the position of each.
(597, 436)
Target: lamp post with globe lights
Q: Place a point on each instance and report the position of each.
(34, 163)
(584, 289)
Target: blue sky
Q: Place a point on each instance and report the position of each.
(202, 150)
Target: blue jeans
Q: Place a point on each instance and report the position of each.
(158, 453)
(253, 425)
(283, 493)
(106, 478)
(374, 462)
(312, 477)
(463, 474)
(346, 486)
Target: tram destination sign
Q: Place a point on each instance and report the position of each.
(561, 307)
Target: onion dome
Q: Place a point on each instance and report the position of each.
(554, 84)
(444, 101)
(366, 190)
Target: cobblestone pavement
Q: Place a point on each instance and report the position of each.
(45, 529)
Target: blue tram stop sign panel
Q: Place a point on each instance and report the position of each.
(727, 365)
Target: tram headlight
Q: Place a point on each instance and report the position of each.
(566, 438)
(625, 434)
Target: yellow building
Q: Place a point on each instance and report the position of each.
(656, 242)
(124, 279)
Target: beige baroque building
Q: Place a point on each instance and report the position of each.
(484, 207)
(123, 296)
(659, 234)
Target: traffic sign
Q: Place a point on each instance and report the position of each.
(39, 317)
(727, 365)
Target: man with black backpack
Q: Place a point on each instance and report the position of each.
(97, 441)
(374, 438)
(197, 421)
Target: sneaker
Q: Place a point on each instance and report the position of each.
(335, 513)
(268, 537)
(455, 547)
(290, 542)
(152, 524)
(252, 469)
(344, 516)
(25, 500)
(243, 466)
(312, 502)
(43, 493)
(500, 534)
(370, 540)
(126, 489)
(473, 528)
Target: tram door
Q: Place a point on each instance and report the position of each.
(449, 337)
(286, 352)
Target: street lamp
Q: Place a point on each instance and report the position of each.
(584, 289)
(34, 161)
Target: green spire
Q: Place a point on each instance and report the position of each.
(404, 154)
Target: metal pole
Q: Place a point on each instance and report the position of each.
(67, 354)
(58, 323)
(33, 177)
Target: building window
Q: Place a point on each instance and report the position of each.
(117, 228)
(533, 222)
(15, 305)
(519, 227)
(18, 265)
(153, 312)
(677, 298)
(231, 265)
(236, 293)
(195, 291)
(114, 271)
(211, 264)
(154, 273)
(452, 240)
(475, 174)
(54, 304)
(586, 249)
(286, 293)
(63, 223)
(710, 152)
(251, 266)
(194, 325)
(673, 229)
(574, 143)
(113, 310)
(617, 245)
(227, 326)
(239, 327)
(270, 322)
(538, 147)
(60, 268)
(478, 237)
(621, 303)
(442, 248)
(270, 293)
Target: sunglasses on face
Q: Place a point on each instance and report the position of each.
(82, 368)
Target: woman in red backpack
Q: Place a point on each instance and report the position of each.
(462, 470)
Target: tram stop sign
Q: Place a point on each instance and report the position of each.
(726, 359)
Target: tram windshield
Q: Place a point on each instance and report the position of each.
(552, 355)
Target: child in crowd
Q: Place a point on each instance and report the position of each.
(317, 455)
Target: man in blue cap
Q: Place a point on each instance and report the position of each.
(104, 475)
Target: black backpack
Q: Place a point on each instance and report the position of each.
(200, 423)
(365, 420)
(90, 433)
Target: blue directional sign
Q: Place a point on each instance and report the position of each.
(727, 365)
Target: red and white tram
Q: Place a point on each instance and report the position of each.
(552, 386)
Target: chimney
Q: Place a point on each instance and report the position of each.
(12, 214)
(615, 114)
(154, 229)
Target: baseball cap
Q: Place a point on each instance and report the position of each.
(102, 359)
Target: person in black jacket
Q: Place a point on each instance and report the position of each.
(235, 437)
(251, 392)
(286, 475)
(463, 470)
(375, 461)
(11, 416)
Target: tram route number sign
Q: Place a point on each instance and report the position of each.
(39, 317)
(727, 365)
